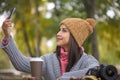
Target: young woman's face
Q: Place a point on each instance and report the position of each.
(63, 36)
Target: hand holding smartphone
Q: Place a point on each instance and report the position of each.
(11, 13)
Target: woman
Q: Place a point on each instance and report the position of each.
(69, 59)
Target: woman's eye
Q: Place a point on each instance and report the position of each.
(64, 30)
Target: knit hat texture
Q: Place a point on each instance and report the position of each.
(79, 28)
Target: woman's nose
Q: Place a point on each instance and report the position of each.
(59, 33)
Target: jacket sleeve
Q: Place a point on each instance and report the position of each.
(20, 62)
(88, 63)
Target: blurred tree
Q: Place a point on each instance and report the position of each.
(107, 15)
(32, 30)
(90, 10)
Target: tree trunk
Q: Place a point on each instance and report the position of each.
(26, 38)
(37, 29)
(90, 9)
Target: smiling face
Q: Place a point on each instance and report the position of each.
(63, 37)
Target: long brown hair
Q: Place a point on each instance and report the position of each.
(75, 53)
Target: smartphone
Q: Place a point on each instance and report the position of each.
(11, 13)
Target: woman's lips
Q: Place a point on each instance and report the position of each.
(58, 39)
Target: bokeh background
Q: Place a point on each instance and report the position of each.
(36, 22)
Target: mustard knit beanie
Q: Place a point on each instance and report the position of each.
(79, 28)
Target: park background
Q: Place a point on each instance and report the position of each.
(36, 22)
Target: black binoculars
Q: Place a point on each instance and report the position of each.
(104, 72)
